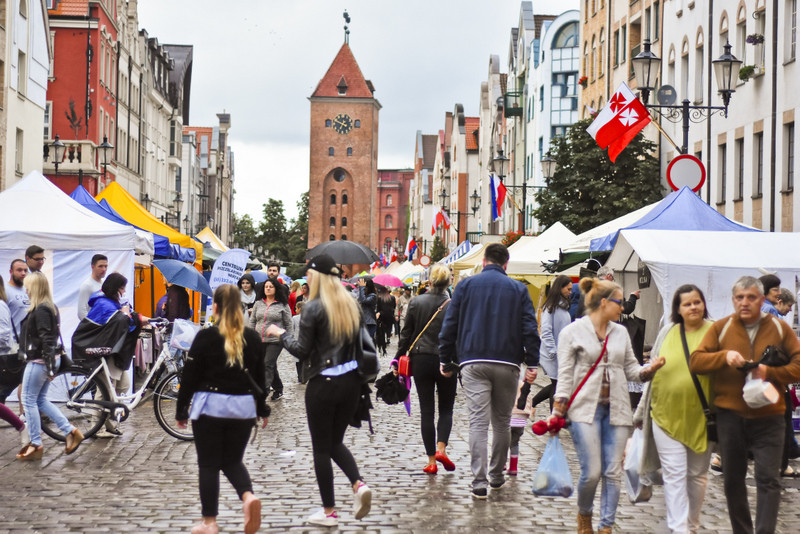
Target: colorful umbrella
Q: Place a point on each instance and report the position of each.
(388, 280)
(184, 275)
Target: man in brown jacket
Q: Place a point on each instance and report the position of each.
(732, 341)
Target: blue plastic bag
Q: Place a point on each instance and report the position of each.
(553, 478)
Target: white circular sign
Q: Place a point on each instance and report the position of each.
(686, 170)
(424, 260)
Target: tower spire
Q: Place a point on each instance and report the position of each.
(346, 28)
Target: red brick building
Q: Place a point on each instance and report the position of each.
(82, 93)
(343, 177)
(393, 187)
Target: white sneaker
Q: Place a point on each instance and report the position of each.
(324, 520)
(105, 434)
(362, 500)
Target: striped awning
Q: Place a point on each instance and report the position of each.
(459, 251)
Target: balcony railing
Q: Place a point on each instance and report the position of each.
(513, 104)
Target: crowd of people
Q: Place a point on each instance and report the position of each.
(706, 383)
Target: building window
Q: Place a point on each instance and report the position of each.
(723, 172)
(388, 221)
(22, 73)
(327, 123)
(344, 199)
(758, 172)
(48, 119)
(698, 74)
(23, 8)
(18, 151)
(344, 237)
(357, 123)
(330, 151)
(541, 98)
(656, 20)
(333, 198)
(338, 174)
(788, 132)
(331, 237)
(623, 43)
(388, 200)
(647, 23)
(791, 29)
(333, 222)
(601, 53)
(344, 223)
(739, 155)
(349, 151)
(616, 47)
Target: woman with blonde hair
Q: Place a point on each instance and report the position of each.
(425, 367)
(223, 393)
(595, 345)
(325, 344)
(42, 341)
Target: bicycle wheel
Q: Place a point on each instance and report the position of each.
(75, 385)
(165, 405)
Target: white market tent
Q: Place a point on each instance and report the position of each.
(583, 241)
(35, 212)
(528, 253)
(711, 260)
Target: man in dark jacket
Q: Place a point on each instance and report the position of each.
(490, 330)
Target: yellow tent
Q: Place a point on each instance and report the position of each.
(133, 212)
(207, 235)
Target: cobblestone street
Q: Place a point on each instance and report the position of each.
(146, 481)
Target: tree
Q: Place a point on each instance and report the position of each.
(297, 242)
(273, 228)
(438, 250)
(244, 231)
(587, 189)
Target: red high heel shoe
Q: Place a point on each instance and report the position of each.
(445, 461)
(431, 469)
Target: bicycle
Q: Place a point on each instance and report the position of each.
(90, 401)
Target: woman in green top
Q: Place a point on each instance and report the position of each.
(673, 415)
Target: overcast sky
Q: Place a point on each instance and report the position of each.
(260, 60)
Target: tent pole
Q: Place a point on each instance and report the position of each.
(152, 293)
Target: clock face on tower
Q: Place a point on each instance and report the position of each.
(342, 123)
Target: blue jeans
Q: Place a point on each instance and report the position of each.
(35, 384)
(600, 446)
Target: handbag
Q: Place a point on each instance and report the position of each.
(711, 418)
(404, 361)
(12, 364)
(366, 355)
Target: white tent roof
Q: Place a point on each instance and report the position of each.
(711, 260)
(584, 240)
(470, 260)
(35, 211)
(528, 253)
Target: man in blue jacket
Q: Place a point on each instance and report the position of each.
(490, 330)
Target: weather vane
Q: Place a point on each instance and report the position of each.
(346, 28)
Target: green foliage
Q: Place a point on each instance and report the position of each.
(438, 250)
(587, 189)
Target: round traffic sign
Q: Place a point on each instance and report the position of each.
(424, 260)
(686, 170)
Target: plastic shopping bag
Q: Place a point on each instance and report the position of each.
(183, 333)
(553, 478)
(637, 491)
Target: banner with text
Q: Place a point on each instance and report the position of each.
(229, 267)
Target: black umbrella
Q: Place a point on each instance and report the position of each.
(344, 252)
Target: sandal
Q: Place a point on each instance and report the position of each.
(31, 452)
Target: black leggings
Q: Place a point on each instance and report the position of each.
(331, 402)
(429, 380)
(220, 445)
(546, 392)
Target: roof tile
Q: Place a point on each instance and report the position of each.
(472, 126)
(70, 8)
(344, 66)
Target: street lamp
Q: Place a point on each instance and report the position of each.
(499, 163)
(187, 224)
(476, 202)
(58, 152)
(548, 166)
(105, 147)
(146, 200)
(178, 205)
(726, 68)
(443, 198)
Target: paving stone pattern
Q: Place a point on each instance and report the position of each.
(146, 481)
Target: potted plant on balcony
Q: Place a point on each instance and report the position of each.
(584, 81)
(757, 40)
(754, 39)
(746, 71)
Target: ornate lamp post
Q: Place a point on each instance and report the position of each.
(105, 148)
(178, 205)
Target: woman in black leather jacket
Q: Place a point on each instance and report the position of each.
(425, 367)
(329, 327)
(40, 338)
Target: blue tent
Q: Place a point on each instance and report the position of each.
(85, 199)
(680, 210)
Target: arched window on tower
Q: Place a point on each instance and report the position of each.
(388, 200)
(333, 198)
(344, 237)
(344, 222)
(333, 221)
(349, 151)
(388, 221)
(331, 237)
(330, 151)
(344, 198)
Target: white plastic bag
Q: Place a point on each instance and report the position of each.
(637, 491)
(183, 333)
(757, 393)
(553, 478)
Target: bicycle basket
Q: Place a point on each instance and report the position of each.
(183, 333)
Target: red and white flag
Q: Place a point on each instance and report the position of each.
(440, 218)
(619, 121)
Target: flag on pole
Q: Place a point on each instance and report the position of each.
(411, 248)
(498, 191)
(619, 121)
(440, 218)
(392, 255)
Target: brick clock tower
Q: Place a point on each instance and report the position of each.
(343, 177)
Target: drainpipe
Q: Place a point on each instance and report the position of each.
(709, 73)
(773, 123)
